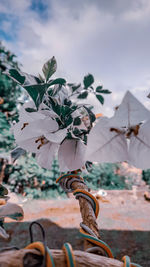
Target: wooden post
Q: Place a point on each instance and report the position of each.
(28, 258)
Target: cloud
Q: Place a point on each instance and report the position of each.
(98, 37)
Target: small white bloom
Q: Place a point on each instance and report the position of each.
(39, 133)
(71, 155)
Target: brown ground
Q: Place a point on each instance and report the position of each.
(119, 210)
(123, 221)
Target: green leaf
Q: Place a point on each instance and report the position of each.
(75, 87)
(15, 74)
(76, 132)
(32, 91)
(16, 153)
(36, 92)
(85, 140)
(70, 84)
(50, 92)
(60, 81)
(91, 115)
(65, 110)
(49, 68)
(77, 121)
(100, 98)
(41, 78)
(105, 91)
(30, 110)
(88, 80)
(69, 135)
(83, 95)
(67, 102)
(69, 120)
(55, 107)
(99, 88)
(22, 78)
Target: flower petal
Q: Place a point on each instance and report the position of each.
(24, 131)
(37, 128)
(129, 113)
(29, 116)
(71, 155)
(56, 137)
(29, 145)
(139, 148)
(104, 145)
(46, 155)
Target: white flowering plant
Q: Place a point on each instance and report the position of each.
(57, 119)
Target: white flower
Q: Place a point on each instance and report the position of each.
(71, 155)
(129, 113)
(38, 132)
(105, 145)
(124, 137)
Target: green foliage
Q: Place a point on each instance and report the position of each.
(49, 68)
(6, 137)
(36, 86)
(105, 176)
(99, 91)
(60, 97)
(146, 176)
(83, 95)
(88, 80)
(9, 93)
(100, 98)
(9, 90)
(27, 178)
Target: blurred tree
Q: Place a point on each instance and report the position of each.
(9, 94)
(9, 90)
(27, 178)
(106, 176)
(146, 176)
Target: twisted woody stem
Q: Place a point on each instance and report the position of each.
(86, 209)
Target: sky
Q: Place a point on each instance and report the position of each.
(108, 38)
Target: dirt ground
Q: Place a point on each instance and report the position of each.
(123, 221)
(119, 210)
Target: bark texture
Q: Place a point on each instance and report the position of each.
(88, 215)
(86, 210)
(32, 258)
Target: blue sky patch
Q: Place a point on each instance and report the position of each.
(8, 27)
(40, 7)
